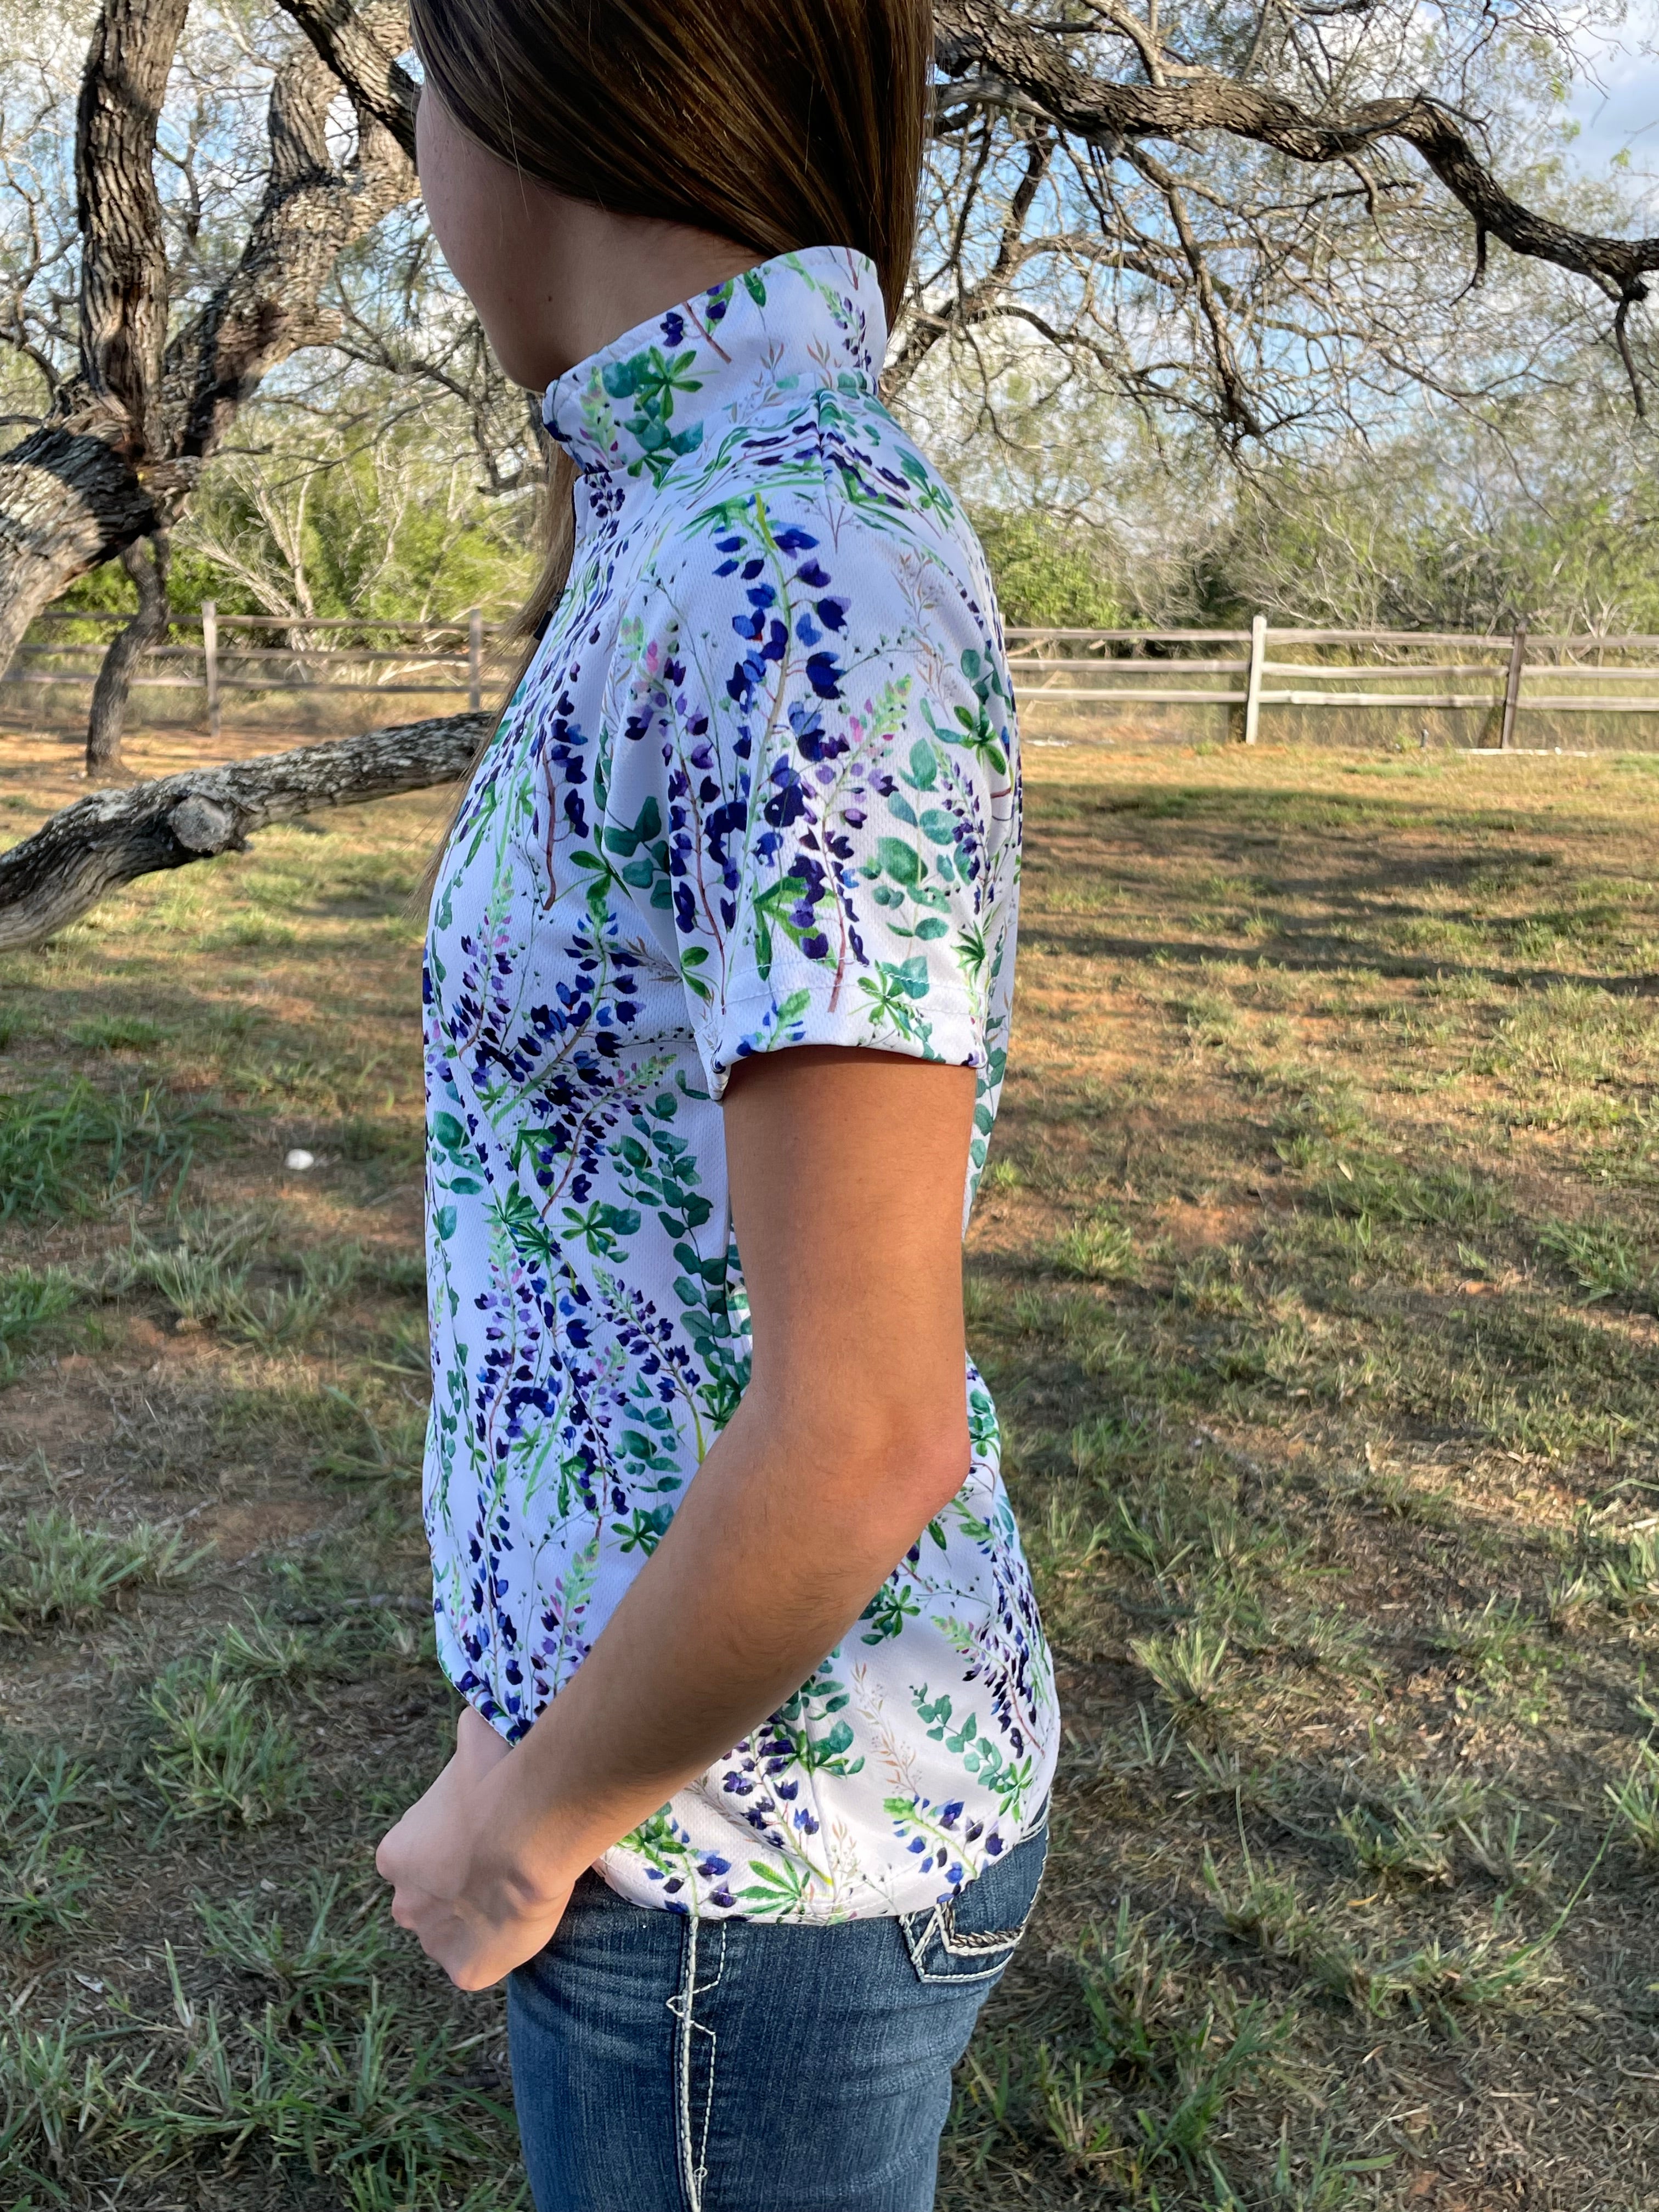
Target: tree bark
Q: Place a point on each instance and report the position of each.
(361, 47)
(997, 59)
(268, 307)
(68, 501)
(148, 627)
(110, 838)
(124, 259)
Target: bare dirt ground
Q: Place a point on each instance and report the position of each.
(1316, 1277)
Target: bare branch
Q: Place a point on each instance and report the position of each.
(980, 300)
(980, 36)
(111, 836)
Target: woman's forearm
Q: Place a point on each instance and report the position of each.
(790, 1527)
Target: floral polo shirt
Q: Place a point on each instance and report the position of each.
(758, 789)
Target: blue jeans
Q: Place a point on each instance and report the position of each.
(661, 2064)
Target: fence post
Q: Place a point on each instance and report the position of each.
(1512, 687)
(1253, 681)
(475, 659)
(211, 663)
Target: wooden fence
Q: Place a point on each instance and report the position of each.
(214, 653)
(1499, 680)
(1378, 670)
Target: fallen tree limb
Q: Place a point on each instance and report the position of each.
(110, 838)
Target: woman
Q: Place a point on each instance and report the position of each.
(720, 962)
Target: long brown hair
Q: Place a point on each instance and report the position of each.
(778, 123)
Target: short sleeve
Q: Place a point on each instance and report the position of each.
(813, 774)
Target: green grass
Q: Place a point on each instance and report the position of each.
(44, 1872)
(68, 1146)
(1602, 1257)
(219, 1754)
(1098, 1251)
(1314, 1274)
(31, 1298)
(56, 1572)
(1189, 1667)
(203, 1266)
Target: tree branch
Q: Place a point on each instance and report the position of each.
(362, 49)
(980, 38)
(268, 307)
(977, 301)
(148, 627)
(111, 837)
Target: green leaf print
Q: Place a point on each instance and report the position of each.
(887, 1613)
(772, 911)
(642, 1531)
(526, 1229)
(600, 1226)
(981, 1755)
(898, 861)
(644, 850)
(775, 1890)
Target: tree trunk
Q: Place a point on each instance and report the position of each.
(110, 837)
(68, 501)
(148, 627)
(123, 256)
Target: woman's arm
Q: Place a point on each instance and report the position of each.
(847, 1171)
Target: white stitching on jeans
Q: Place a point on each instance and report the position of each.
(681, 2008)
(917, 1939)
(699, 1990)
(694, 2172)
(961, 1945)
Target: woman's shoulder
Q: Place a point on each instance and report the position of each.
(834, 511)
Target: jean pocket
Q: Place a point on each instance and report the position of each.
(971, 1937)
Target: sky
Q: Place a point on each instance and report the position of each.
(1620, 110)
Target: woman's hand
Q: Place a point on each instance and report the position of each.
(456, 1880)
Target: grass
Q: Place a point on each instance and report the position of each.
(30, 1299)
(43, 1873)
(67, 1145)
(56, 1572)
(1602, 1257)
(1190, 1667)
(1312, 1271)
(219, 1753)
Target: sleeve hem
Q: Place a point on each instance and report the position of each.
(953, 1037)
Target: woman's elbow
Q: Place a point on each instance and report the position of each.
(915, 1460)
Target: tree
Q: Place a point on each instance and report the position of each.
(1270, 217)
(1266, 218)
(152, 392)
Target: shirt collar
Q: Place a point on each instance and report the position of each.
(806, 321)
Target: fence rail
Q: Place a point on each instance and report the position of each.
(218, 664)
(1044, 669)
(1271, 667)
